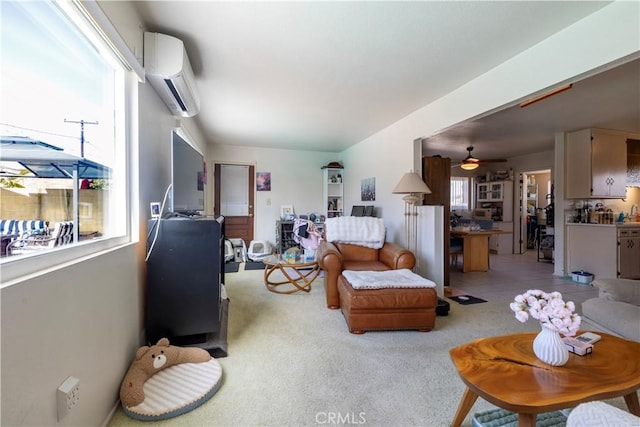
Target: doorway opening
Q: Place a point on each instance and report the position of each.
(536, 197)
(234, 199)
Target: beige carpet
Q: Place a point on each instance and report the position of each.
(293, 362)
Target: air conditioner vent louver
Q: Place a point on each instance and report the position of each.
(168, 69)
(176, 95)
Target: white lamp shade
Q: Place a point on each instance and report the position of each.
(411, 183)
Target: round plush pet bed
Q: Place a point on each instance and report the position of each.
(177, 390)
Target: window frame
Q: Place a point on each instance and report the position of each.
(470, 192)
(92, 22)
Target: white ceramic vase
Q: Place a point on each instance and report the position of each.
(549, 347)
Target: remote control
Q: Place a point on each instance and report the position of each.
(589, 338)
(578, 347)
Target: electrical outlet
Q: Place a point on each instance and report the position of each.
(68, 395)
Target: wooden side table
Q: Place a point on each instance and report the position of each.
(504, 371)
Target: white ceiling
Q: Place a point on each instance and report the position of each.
(326, 75)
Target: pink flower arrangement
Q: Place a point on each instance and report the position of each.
(549, 308)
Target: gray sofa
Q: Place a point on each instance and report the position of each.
(616, 309)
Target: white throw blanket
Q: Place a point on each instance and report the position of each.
(403, 278)
(363, 231)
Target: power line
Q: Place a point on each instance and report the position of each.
(39, 131)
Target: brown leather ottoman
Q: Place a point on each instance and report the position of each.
(387, 308)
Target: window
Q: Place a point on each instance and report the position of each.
(64, 152)
(460, 194)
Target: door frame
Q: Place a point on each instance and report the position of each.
(250, 190)
(522, 203)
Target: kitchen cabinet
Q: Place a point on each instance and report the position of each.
(629, 253)
(332, 191)
(491, 191)
(596, 164)
(502, 243)
(497, 196)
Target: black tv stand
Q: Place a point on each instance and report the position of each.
(185, 300)
(215, 343)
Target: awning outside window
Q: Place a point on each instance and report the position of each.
(44, 160)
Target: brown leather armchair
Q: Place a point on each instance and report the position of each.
(333, 258)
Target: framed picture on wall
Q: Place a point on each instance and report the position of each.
(368, 189)
(263, 181)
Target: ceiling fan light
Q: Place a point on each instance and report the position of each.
(469, 166)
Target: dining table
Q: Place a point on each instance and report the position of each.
(475, 247)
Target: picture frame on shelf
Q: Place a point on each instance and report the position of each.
(155, 209)
(286, 211)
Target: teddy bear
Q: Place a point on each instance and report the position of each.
(149, 361)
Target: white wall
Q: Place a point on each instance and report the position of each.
(86, 318)
(79, 320)
(588, 45)
(296, 179)
(385, 156)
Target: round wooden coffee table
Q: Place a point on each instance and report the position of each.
(298, 274)
(504, 371)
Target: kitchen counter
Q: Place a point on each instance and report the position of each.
(615, 224)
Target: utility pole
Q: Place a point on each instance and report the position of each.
(82, 123)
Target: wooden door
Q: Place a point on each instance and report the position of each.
(236, 181)
(436, 173)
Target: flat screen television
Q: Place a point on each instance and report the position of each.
(187, 176)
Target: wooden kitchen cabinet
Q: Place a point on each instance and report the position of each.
(595, 164)
(629, 253)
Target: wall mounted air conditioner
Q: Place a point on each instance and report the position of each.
(168, 69)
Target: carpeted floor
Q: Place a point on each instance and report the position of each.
(292, 362)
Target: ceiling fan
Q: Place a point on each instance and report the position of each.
(471, 162)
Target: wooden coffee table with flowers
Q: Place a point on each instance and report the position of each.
(508, 371)
(505, 372)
